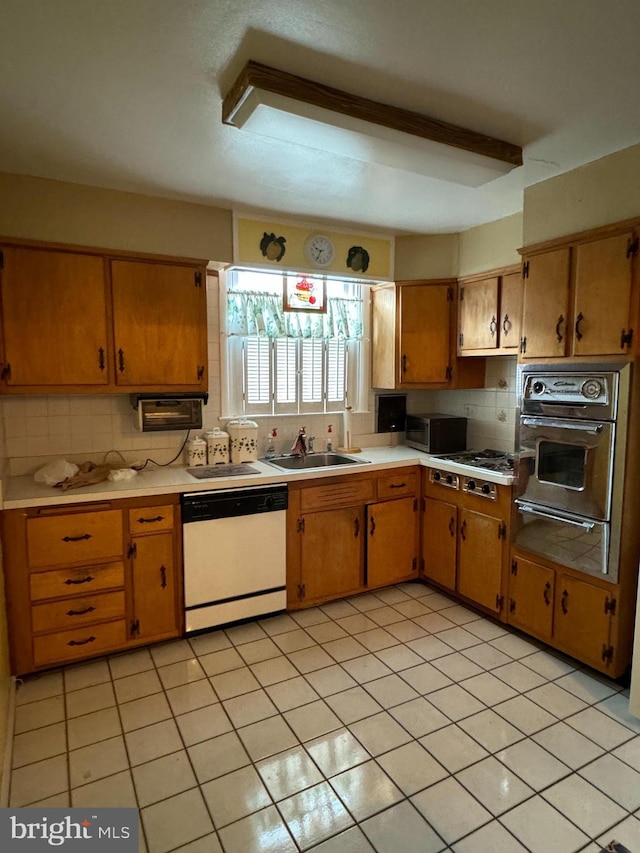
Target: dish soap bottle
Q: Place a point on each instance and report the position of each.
(271, 449)
(330, 438)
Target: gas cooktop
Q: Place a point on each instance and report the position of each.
(487, 460)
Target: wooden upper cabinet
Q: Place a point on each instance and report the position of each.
(159, 332)
(510, 317)
(490, 314)
(579, 299)
(478, 311)
(424, 339)
(54, 319)
(545, 310)
(602, 316)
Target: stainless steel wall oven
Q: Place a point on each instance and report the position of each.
(572, 437)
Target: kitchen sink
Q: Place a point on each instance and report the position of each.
(293, 462)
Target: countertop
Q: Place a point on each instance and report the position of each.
(21, 492)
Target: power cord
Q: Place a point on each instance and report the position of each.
(142, 465)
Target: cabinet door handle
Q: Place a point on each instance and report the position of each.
(405, 363)
(80, 612)
(463, 530)
(121, 361)
(150, 520)
(356, 527)
(547, 593)
(70, 581)
(493, 326)
(163, 577)
(579, 320)
(76, 538)
(372, 526)
(559, 334)
(398, 486)
(506, 325)
(101, 358)
(452, 526)
(81, 642)
(564, 602)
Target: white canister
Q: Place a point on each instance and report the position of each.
(243, 440)
(196, 451)
(217, 446)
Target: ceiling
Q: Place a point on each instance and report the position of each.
(127, 94)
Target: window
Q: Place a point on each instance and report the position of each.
(290, 362)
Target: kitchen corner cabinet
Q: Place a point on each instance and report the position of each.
(349, 534)
(490, 314)
(84, 580)
(580, 298)
(576, 614)
(413, 328)
(465, 543)
(86, 321)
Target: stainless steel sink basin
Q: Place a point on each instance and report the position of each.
(292, 462)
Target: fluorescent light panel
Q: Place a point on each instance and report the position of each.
(280, 106)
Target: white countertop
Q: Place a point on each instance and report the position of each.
(20, 492)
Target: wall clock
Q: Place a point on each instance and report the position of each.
(319, 250)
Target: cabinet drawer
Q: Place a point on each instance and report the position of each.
(79, 643)
(399, 485)
(150, 519)
(74, 538)
(73, 582)
(69, 614)
(337, 494)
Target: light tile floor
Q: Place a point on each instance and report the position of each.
(393, 721)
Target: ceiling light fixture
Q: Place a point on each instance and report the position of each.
(283, 106)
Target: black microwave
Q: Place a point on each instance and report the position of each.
(436, 433)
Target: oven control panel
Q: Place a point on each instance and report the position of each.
(481, 488)
(567, 388)
(444, 478)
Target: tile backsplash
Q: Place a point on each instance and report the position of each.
(491, 411)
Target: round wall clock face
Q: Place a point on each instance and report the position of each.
(319, 250)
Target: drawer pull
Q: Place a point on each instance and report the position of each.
(81, 642)
(88, 579)
(80, 612)
(398, 486)
(150, 520)
(76, 538)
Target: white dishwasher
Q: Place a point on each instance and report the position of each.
(234, 544)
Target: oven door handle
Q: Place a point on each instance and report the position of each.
(553, 423)
(549, 516)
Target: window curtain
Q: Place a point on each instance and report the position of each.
(250, 313)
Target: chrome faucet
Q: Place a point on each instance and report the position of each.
(300, 444)
(310, 441)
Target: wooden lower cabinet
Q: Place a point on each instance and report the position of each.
(481, 552)
(574, 613)
(531, 595)
(391, 542)
(582, 620)
(81, 580)
(332, 553)
(465, 542)
(345, 535)
(439, 542)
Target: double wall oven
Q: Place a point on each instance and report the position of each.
(572, 445)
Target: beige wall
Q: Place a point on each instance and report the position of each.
(490, 246)
(57, 212)
(602, 192)
(426, 256)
